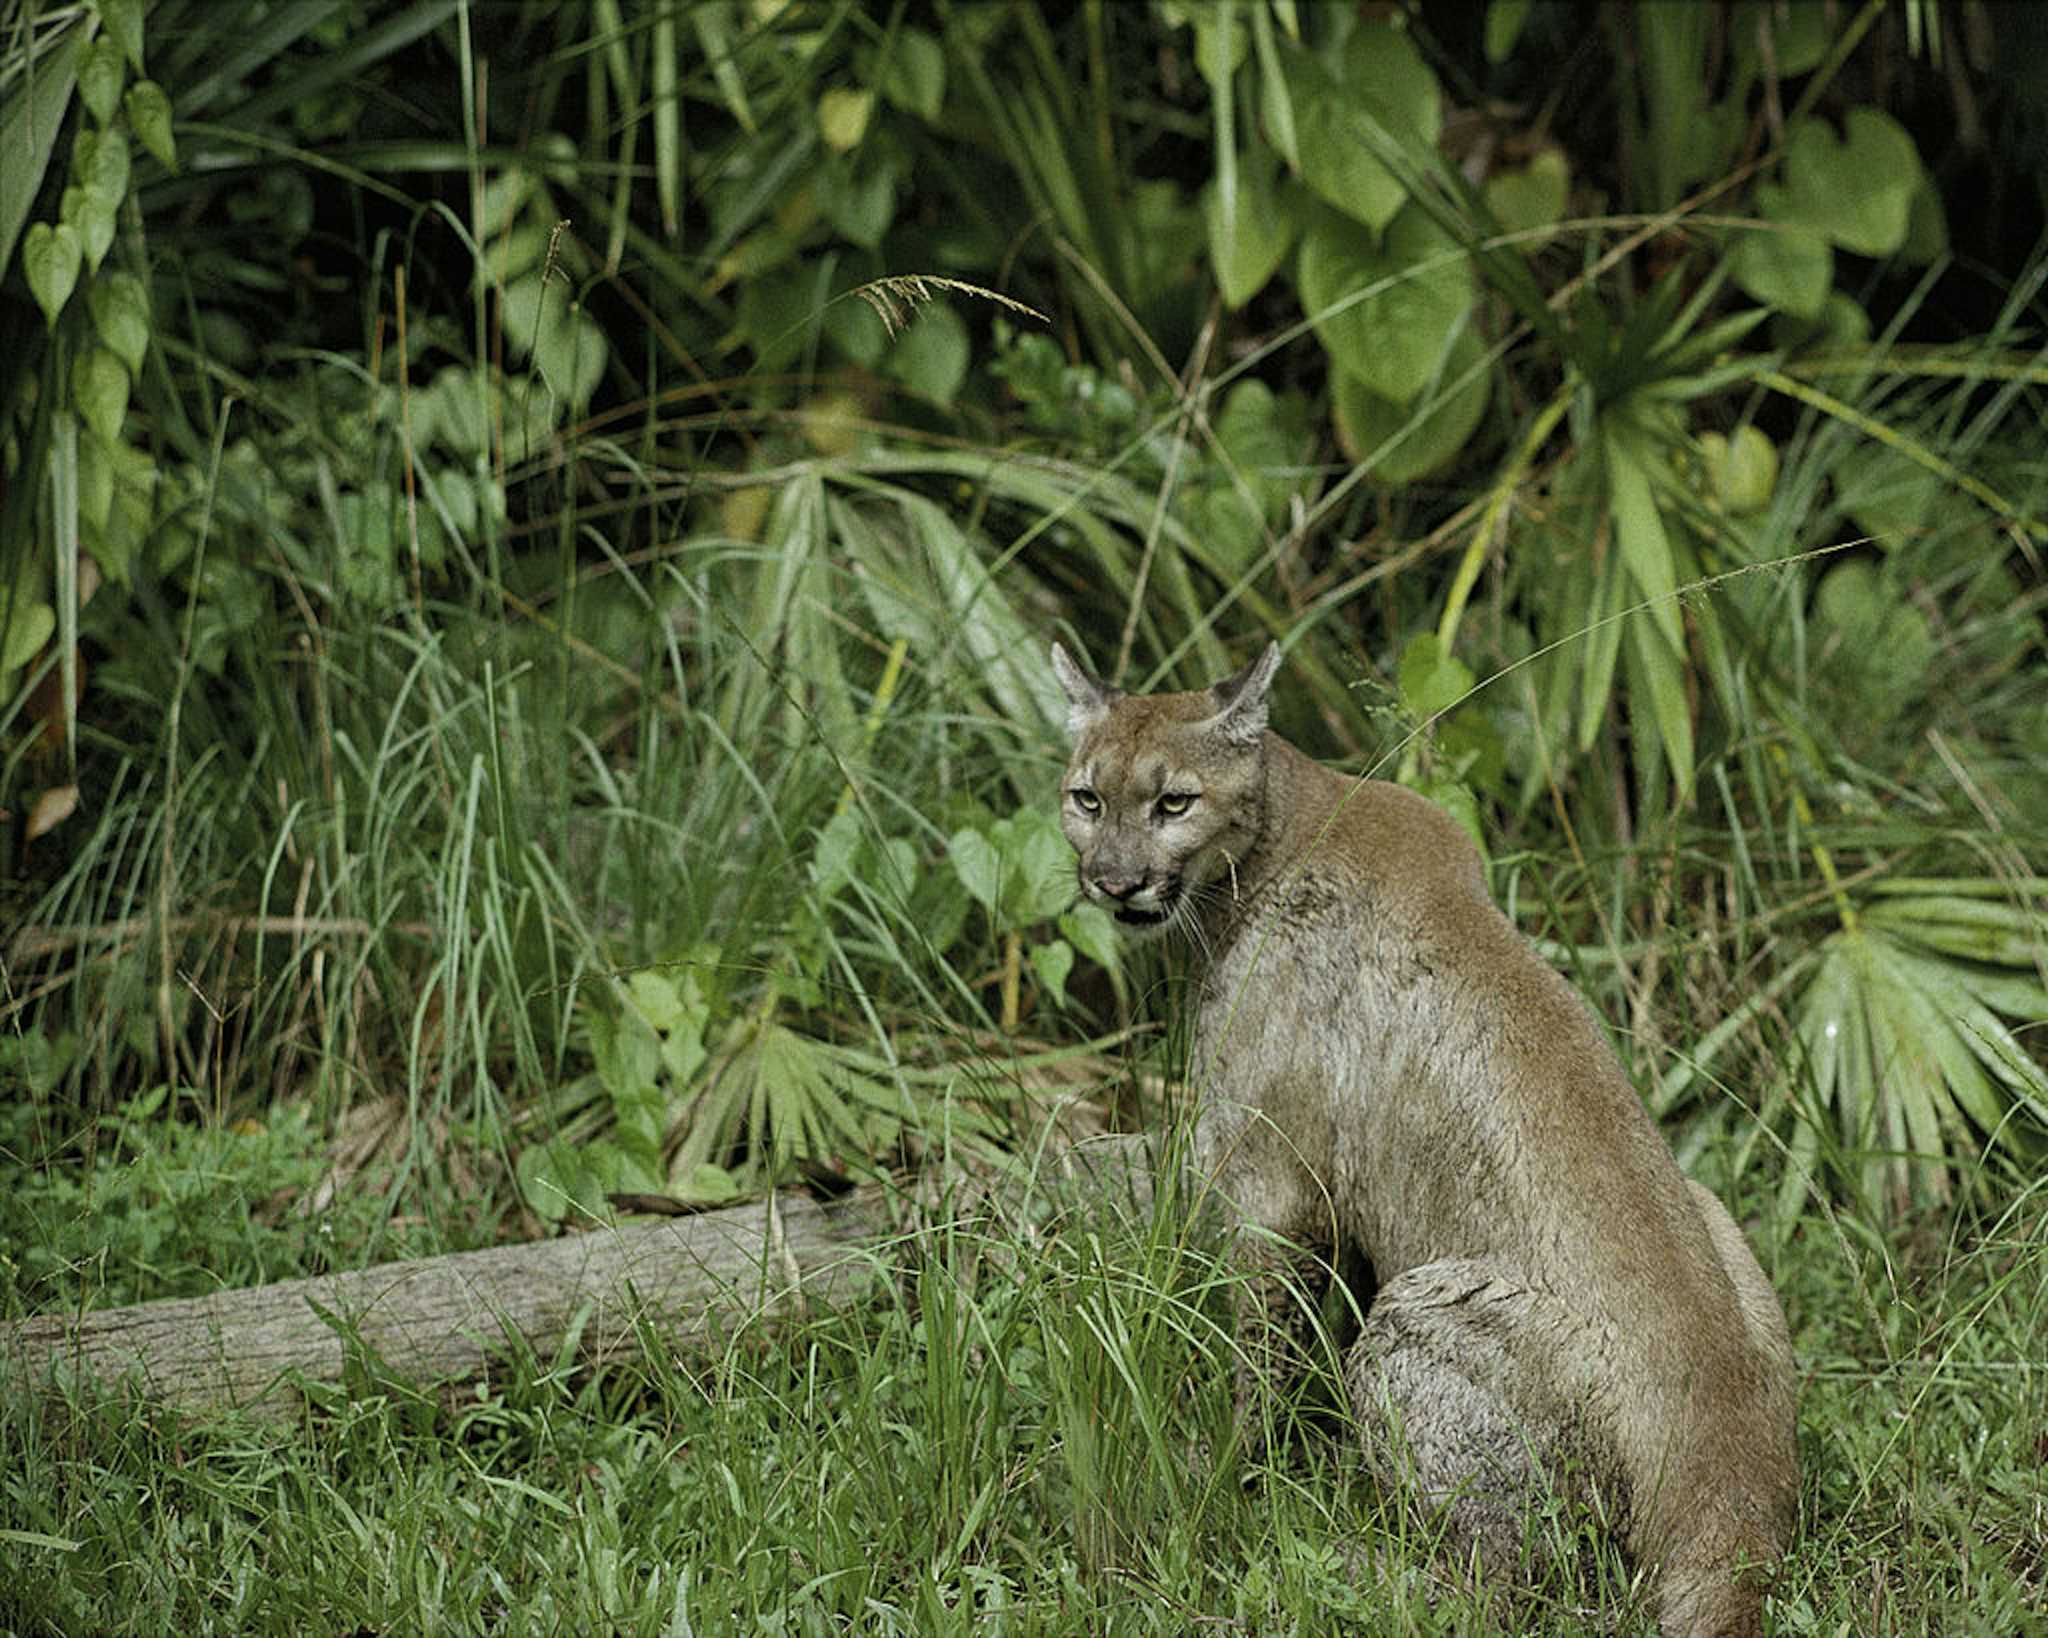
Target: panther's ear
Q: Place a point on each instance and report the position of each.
(1088, 696)
(1241, 700)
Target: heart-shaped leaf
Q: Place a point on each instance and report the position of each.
(1052, 962)
(1431, 680)
(1383, 81)
(1786, 265)
(99, 389)
(915, 79)
(931, 356)
(124, 22)
(572, 354)
(120, 313)
(977, 865)
(1742, 472)
(149, 116)
(1248, 232)
(50, 257)
(93, 222)
(101, 166)
(843, 118)
(1385, 307)
(1532, 196)
(101, 74)
(1404, 442)
(1857, 189)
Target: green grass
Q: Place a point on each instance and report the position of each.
(1030, 1435)
(491, 796)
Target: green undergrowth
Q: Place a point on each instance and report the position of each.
(1030, 1433)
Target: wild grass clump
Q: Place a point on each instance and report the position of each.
(1034, 1431)
(527, 556)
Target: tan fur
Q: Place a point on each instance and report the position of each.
(1385, 1068)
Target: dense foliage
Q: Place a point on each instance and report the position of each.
(531, 531)
(528, 541)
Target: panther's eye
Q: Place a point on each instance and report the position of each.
(1086, 800)
(1174, 803)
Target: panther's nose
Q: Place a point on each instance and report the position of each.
(1118, 887)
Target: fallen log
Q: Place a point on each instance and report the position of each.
(434, 1321)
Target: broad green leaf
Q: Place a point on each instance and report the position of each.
(623, 1165)
(1430, 680)
(626, 1052)
(50, 258)
(1383, 78)
(838, 848)
(461, 412)
(504, 195)
(977, 865)
(1337, 166)
(28, 627)
(127, 522)
(1532, 196)
(120, 315)
(1385, 308)
(1456, 799)
(1741, 472)
(655, 997)
(94, 220)
(99, 392)
(1088, 928)
(95, 490)
(915, 79)
(124, 22)
(860, 201)
(100, 164)
(932, 354)
(1785, 266)
(1052, 962)
(1405, 442)
(569, 349)
(1261, 436)
(843, 118)
(1893, 498)
(705, 1183)
(1249, 234)
(1873, 636)
(571, 354)
(1800, 32)
(101, 74)
(895, 869)
(149, 116)
(558, 1183)
(1855, 189)
(1685, 137)
(1039, 865)
(521, 249)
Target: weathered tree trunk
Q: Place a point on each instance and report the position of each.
(437, 1320)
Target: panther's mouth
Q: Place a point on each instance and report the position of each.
(1141, 918)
